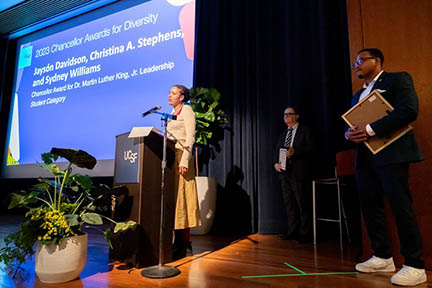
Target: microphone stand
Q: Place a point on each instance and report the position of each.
(161, 271)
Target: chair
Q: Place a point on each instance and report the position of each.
(344, 167)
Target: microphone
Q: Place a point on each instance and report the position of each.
(152, 110)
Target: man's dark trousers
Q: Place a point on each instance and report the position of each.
(295, 196)
(376, 182)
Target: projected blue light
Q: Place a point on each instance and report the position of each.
(81, 87)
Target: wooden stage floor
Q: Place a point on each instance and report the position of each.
(221, 261)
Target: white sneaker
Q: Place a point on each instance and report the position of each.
(376, 264)
(409, 276)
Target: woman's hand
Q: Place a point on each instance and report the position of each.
(278, 167)
(182, 170)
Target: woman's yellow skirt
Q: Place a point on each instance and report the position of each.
(187, 212)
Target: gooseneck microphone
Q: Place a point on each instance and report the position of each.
(152, 110)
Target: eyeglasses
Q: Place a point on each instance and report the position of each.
(290, 114)
(360, 61)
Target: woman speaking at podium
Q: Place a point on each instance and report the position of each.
(182, 130)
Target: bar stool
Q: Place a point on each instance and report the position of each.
(344, 167)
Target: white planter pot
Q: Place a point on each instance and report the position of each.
(206, 187)
(61, 263)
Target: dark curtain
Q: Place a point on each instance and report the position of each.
(263, 56)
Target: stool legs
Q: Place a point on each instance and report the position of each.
(341, 212)
(346, 222)
(314, 212)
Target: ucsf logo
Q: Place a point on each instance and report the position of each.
(130, 155)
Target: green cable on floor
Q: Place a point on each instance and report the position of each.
(301, 273)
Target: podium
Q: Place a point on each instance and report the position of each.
(138, 169)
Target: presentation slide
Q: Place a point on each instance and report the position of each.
(81, 87)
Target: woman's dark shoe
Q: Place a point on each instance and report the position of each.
(178, 253)
(189, 249)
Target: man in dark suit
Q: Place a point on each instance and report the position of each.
(295, 176)
(386, 173)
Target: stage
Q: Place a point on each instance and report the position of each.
(222, 261)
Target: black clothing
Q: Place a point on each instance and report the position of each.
(296, 182)
(386, 173)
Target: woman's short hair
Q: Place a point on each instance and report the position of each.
(184, 91)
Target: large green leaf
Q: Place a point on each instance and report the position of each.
(75, 156)
(205, 134)
(52, 168)
(18, 200)
(201, 140)
(84, 181)
(45, 187)
(215, 94)
(122, 226)
(196, 91)
(108, 236)
(203, 123)
(213, 105)
(72, 220)
(68, 208)
(221, 117)
(91, 207)
(209, 116)
(50, 182)
(49, 158)
(92, 218)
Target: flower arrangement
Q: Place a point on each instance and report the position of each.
(52, 224)
(58, 208)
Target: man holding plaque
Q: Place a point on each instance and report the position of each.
(293, 164)
(386, 172)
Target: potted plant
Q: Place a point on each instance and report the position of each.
(58, 209)
(209, 119)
